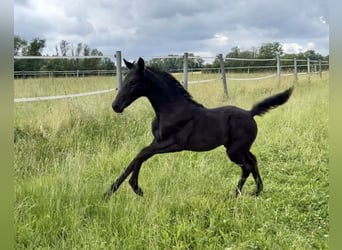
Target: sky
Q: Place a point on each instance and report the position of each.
(158, 28)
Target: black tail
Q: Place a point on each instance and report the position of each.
(271, 102)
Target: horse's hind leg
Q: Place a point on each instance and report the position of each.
(259, 186)
(238, 156)
(244, 176)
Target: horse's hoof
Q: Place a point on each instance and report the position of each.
(139, 191)
(256, 193)
(238, 193)
(107, 195)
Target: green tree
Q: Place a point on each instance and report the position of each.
(234, 53)
(64, 47)
(92, 63)
(195, 61)
(34, 48)
(270, 50)
(170, 63)
(19, 45)
(313, 55)
(176, 62)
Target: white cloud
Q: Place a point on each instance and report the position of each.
(322, 20)
(220, 39)
(311, 46)
(291, 48)
(297, 48)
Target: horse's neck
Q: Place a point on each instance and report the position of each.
(164, 99)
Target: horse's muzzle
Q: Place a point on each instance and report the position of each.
(116, 108)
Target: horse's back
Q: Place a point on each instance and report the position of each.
(214, 127)
(237, 122)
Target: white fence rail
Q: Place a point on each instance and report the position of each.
(44, 98)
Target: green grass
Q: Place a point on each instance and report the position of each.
(68, 152)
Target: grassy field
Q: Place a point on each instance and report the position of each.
(68, 152)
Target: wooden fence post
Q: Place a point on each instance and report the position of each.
(118, 70)
(278, 68)
(185, 71)
(295, 70)
(308, 68)
(224, 80)
(320, 68)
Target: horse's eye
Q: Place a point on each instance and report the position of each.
(133, 83)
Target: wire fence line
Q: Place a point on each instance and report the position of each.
(44, 98)
(298, 68)
(61, 57)
(111, 72)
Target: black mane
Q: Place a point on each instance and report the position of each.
(174, 83)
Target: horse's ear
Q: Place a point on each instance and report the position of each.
(128, 64)
(141, 64)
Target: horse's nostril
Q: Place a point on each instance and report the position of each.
(115, 107)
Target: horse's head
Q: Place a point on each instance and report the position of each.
(134, 86)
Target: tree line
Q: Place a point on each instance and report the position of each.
(267, 51)
(36, 46)
(171, 63)
(175, 62)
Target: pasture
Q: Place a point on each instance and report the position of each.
(68, 152)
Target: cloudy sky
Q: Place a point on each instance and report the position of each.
(158, 28)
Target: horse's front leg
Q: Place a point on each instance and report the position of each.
(156, 147)
(119, 180)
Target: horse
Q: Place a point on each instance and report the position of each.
(181, 123)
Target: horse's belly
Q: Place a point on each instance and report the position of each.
(203, 143)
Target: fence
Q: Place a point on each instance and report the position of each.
(278, 64)
(225, 75)
(64, 73)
